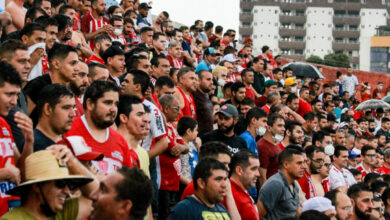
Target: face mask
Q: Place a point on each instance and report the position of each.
(118, 14)
(277, 138)
(329, 150)
(134, 21)
(260, 131)
(117, 32)
(380, 87)
(294, 89)
(221, 82)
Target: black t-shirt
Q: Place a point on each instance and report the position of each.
(234, 143)
(41, 142)
(241, 125)
(204, 112)
(33, 89)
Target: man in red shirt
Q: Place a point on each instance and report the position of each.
(95, 23)
(188, 83)
(245, 172)
(304, 105)
(11, 82)
(273, 98)
(100, 104)
(270, 85)
(78, 86)
(247, 78)
(385, 169)
(268, 149)
(102, 43)
(369, 159)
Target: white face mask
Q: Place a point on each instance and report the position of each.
(329, 150)
(118, 14)
(260, 131)
(117, 32)
(221, 82)
(294, 89)
(278, 138)
(380, 87)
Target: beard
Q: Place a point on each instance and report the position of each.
(313, 169)
(293, 139)
(227, 129)
(75, 89)
(101, 52)
(236, 100)
(360, 214)
(99, 121)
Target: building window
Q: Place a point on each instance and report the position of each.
(246, 24)
(299, 38)
(255, 11)
(339, 27)
(286, 25)
(299, 52)
(339, 13)
(299, 26)
(353, 40)
(255, 36)
(299, 13)
(353, 27)
(286, 51)
(339, 40)
(286, 38)
(353, 13)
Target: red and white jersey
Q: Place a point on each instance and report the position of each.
(339, 178)
(363, 170)
(325, 183)
(115, 149)
(383, 170)
(189, 108)
(170, 166)
(6, 153)
(119, 39)
(89, 25)
(176, 63)
(232, 78)
(95, 59)
(157, 127)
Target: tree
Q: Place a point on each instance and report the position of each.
(337, 60)
(314, 59)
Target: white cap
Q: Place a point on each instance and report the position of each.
(356, 151)
(230, 58)
(320, 204)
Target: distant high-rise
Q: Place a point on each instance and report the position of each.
(298, 29)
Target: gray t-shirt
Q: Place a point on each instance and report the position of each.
(277, 197)
(349, 83)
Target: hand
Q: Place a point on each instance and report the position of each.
(36, 56)
(108, 28)
(62, 152)
(14, 172)
(176, 150)
(198, 142)
(25, 124)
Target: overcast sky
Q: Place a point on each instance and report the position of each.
(220, 12)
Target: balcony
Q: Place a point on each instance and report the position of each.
(292, 45)
(246, 30)
(346, 20)
(246, 17)
(292, 19)
(346, 33)
(246, 5)
(292, 32)
(341, 46)
(295, 57)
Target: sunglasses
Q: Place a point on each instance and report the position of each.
(61, 184)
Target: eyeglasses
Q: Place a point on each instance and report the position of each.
(347, 208)
(327, 165)
(319, 161)
(61, 184)
(370, 155)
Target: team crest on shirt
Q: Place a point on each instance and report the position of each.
(5, 131)
(117, 155)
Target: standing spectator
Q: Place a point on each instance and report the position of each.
(367, 165)
(247, 78)
(268, 149)
(273, 98)
(159, 41)
(339, 177)
(227, 117)
(163, 16)
(210, 183)
(245, 172)
(238, 94)
(279, 196)
(188, 81)
(385, 169)
(365, 92)
(78, 85)
(101, 43)
(142, 19)
(378, 91)
(95, 23)
(258, 81)
(270, 86)
(349, 82)
(304, 105)
(362, 198)
(293, 135)
(321, 180)
(174, 54)
(160, 67)
(203, 105)
(256, 126)
(114, 58)
(100, 104)
(342, 203)
(146, 36)
(210, 58)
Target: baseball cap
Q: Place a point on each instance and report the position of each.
(209, 51)
(80, 149)
(229, 111)
(270, 82)
(356, 151)
(247, 39)
(144, 5)
(229, 58)
(290, 81)
(320, 204)
(352, 154)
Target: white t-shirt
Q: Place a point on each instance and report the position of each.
(339, 178)
(157, 127)
(349, 83)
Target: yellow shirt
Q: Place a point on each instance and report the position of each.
(143, 159)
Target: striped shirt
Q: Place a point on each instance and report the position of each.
(89, 25)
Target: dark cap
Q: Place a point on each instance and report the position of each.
(270, 83)
(144, 6)
(229, 111)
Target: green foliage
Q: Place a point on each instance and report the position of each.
(337, 60)
(314, 59)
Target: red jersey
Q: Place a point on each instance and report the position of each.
(156, 102)
(6, 153)
(189, 105)
(170, 166)
(383, 170)
(268, 156)
(119, 39)
(307, 186)
(188, 191)
(326, 184)
(79, 108)
(89, 25)
(76, 23)
(266, 108)
(244, 202)
(304, 107)
(115, 149)
(250, 93)
(95, 59)
(175, 63)
(281, 145)
(45, 64)
(364, 171)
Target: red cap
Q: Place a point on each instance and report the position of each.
(247, 39)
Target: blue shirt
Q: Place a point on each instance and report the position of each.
(202, 66)
(250, 142)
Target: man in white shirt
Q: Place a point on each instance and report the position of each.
(349, 82)
(339, 177)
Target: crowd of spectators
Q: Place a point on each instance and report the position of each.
(107, 112)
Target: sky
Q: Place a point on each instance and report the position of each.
(220, 12)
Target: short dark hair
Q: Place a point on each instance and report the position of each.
(186, 123)
(273, 118)
(101, 37)
(111, 52)
(310, 150)
(386, 196)
(338, 149)
(313, 214)
(310, 116)
(32, 13)
(291, 97)
(377, 185)
(97, 89)
(145, 29)
(157, 35)
(38, 3)
(155, 61)
(140, 77)
(111, 9)
(29, 29)
(92, 68)
(164, 81)
(332, 196)
(115, 18)
(248, 101)
(255, 113)
(291, 124)
(52, 95)
(212, 149)
(46, 21)
(184, 71)
(8, 74)
(9, 47)
(125, 106)
(237, 86)
(136, 187)
(64, 8)
(319, 136)
(288, 153)
(365, 149)
(133, 61)
(63, 21)
(245, 71)
(354, 190)
(241, 159)
(385, 119)
(60, 51)
(264, 48)
(204, 169)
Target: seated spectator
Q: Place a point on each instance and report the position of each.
(342, 203)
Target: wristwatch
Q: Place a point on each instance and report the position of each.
(78, 46)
